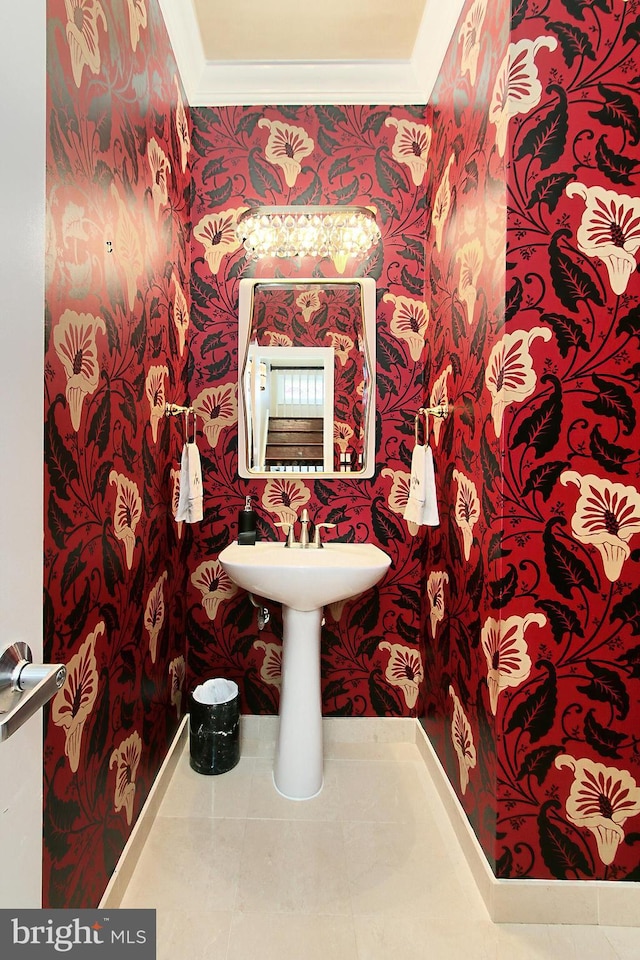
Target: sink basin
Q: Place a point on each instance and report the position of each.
(305, 579)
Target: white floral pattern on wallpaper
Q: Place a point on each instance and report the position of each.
(342, 345)
(442, 203)
(180, 314)
(470, 257)
(160, 169)
(404, 669)
(342, 435)
(217, 407)
(182, 127)
(517, 88)
(286, 147)
(217, 234)
(74, 339)
(409, 322)
(606, 516)
(154, 614)
(467, 509)
(127, 512)
(277, 339)
(126, 759)
(83, 35)
(436, 582)
(470, 37)
(285, 497)
(214, 584)
(271, 667)
(75, 700)
(507, 653)
(411, 146)
(154, 389)
(609, 230)
(462, 740)
(399, 495)
(510, 376)
(137, 20)
(309, 302)
(601, 799)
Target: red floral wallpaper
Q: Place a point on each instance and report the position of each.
(117, 293)
(369, 155)
(507, 285)
(532, 676)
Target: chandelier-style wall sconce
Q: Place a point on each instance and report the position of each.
(297, 231)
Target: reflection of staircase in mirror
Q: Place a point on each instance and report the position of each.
(295, 441)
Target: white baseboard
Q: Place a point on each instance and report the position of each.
(615, 904)
(123, 872)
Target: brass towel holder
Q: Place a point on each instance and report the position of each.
(442, 411)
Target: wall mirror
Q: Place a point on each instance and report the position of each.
(306, 377)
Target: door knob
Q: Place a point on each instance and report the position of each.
(24, 686)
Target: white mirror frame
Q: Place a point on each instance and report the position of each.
(245, 317)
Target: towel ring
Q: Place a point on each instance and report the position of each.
(186, 425)
(442, 411)
(426, 427)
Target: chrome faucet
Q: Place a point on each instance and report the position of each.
(317, 542)
(304, 543)
(304, 528)
(289, 532)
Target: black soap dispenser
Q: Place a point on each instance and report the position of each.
(247, 524)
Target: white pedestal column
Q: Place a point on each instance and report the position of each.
(298, 768)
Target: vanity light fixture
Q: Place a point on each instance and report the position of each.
(297, 231)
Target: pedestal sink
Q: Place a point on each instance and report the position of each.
(303, 581)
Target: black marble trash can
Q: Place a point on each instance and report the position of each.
(214, 727)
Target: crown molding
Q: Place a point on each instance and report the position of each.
(312, 82)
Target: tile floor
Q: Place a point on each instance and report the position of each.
(368, 870)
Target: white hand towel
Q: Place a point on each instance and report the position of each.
(430, 514)
(422, 505)
(190, 498)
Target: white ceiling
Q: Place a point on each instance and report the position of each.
(308, 30)
(309, 51)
